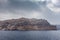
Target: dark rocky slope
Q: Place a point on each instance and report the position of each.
(26, 24)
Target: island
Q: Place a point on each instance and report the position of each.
(26, 24)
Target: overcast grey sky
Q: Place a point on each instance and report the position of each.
(40, 9)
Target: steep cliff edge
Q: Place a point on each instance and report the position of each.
(26, 24)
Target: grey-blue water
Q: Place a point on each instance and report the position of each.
(29, 35)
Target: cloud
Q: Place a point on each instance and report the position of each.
(17, 8)
(53, 8)
(12, 9)
(54, 13)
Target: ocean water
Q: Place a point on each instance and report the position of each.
(30, 35)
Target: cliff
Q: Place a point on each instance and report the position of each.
(26, 24)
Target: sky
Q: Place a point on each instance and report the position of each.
(40, 9)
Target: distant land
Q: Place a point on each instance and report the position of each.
(26, 24)
(58, 27)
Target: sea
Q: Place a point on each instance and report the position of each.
(30, 35)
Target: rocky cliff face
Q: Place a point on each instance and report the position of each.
(26, 24)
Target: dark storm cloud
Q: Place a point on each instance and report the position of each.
(23, 4)
(19, 4)
(26, 5)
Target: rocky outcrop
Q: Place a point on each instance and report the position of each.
(26, 24)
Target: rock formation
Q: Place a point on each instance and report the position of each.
(26, 24)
